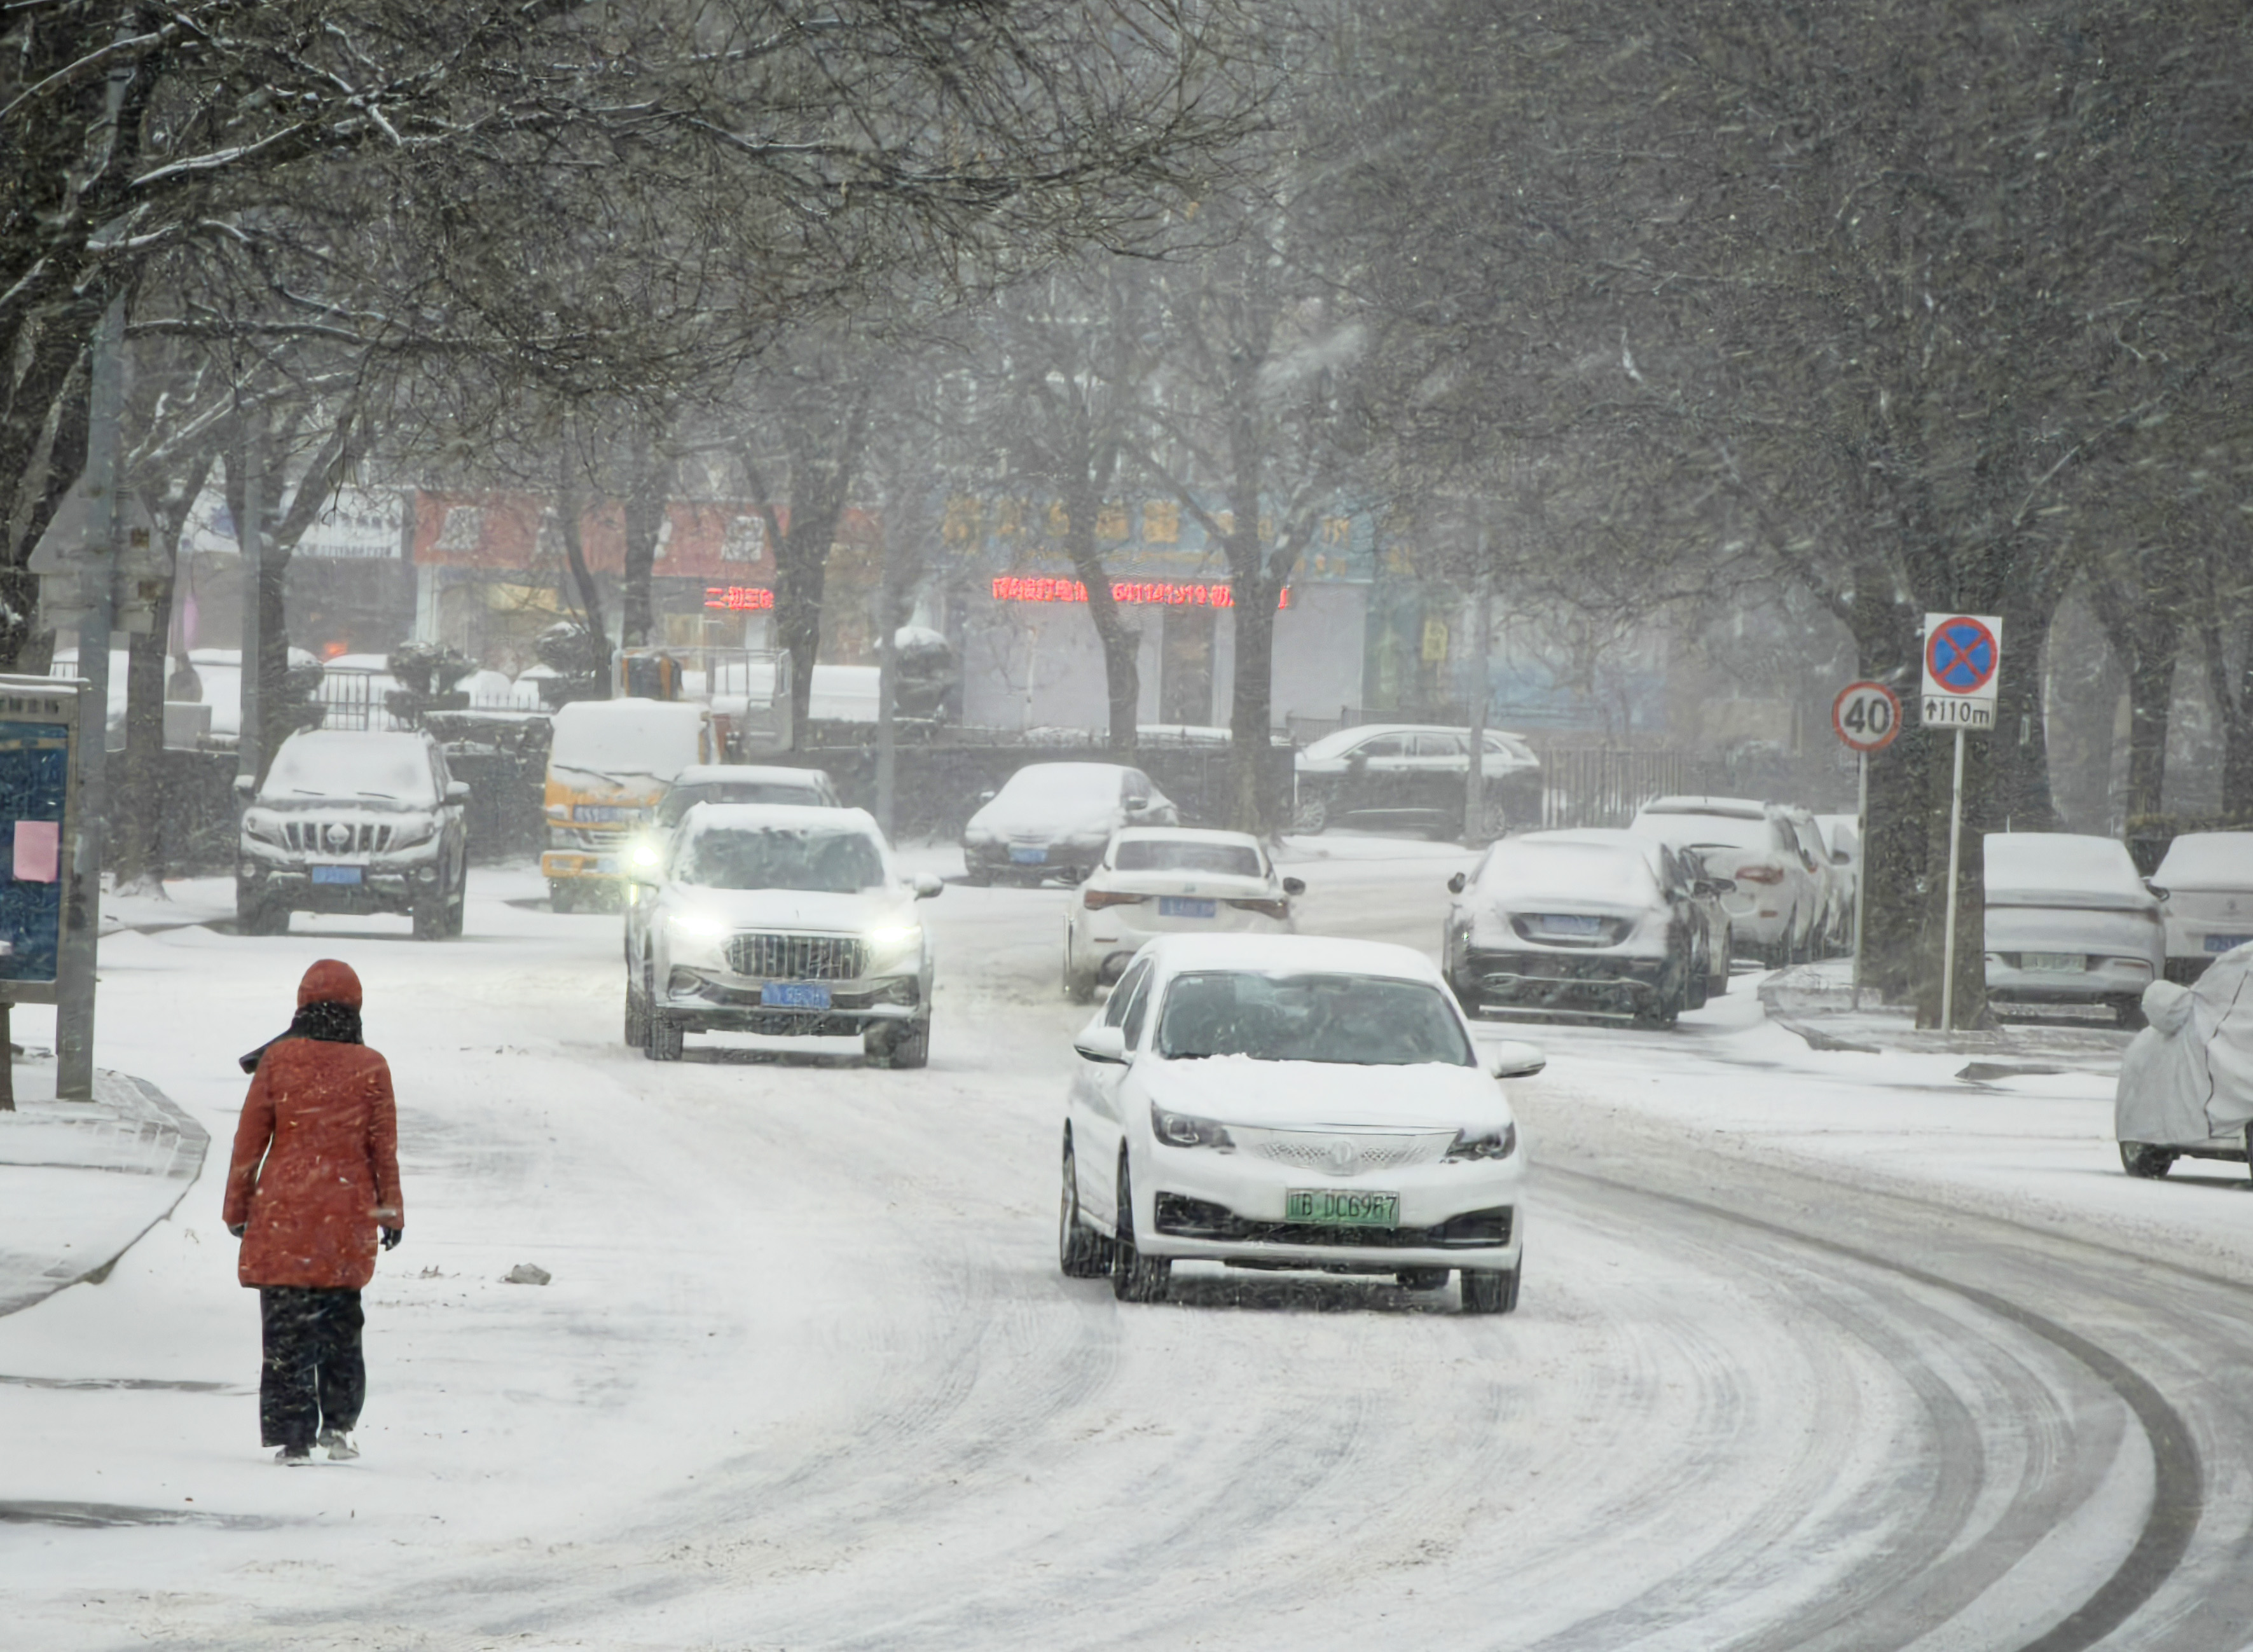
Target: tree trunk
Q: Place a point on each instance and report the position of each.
(137, 807)
(2231, 687)
(2022, 801)
(645, 522)
(33, 498)
(2151, 703)
(568, 507)
(1121, 643)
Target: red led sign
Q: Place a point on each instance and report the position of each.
(1041, 588)
(738, 598)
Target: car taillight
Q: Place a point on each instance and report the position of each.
(1759, 874)
(1278, 907)
(1096, 900)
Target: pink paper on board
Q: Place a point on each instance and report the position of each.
(39, 850)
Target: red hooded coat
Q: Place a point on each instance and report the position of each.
(316, 1167)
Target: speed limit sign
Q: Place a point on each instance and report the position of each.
(1866, 715)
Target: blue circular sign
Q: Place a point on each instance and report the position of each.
(1960, 655)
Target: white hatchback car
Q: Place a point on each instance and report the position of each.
(1293, 1102)
(1155, 881)
(2205, 887)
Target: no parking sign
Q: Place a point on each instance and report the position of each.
(1962, 655)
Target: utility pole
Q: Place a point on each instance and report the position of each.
(97, 603)
(888, 665)
(250, 541)
(1482, 625)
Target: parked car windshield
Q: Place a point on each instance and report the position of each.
(331, 764)
(781, 858)
(1183, 854)
(1362, 1021)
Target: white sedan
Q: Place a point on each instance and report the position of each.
(1288, 1102)
(1155, 881)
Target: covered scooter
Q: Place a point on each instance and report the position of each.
(2186, 1082)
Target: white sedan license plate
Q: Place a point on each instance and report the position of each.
(1021, 856)
(2058, 963)
(1341, 1207)
(2226, 943)
(1186, 906)
(794, 995)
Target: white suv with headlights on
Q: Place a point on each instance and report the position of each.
(1285, 1102)
(356, 823)
(783, 921)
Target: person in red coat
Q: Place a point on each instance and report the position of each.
(313, 1189)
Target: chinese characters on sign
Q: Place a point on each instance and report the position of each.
(739, 598)
(1041, 588)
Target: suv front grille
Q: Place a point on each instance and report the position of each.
(337, 837)
(798, 957)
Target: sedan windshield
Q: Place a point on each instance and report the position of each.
(781, 858)
(1183, 854)
(1362, 1021)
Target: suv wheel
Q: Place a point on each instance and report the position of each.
(256, 916)
(636, 1020)
(429, 913)
(901, 1044)
(457, 908)
(665, 1038)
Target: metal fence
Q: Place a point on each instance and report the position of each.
(1604, 785)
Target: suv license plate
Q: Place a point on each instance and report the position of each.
(2061, 963)
(1567, 925)
(1341, 1207)
(794, 995)
(1186, 906)
(2226, 943)
(336, 875)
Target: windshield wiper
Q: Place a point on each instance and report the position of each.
(389, 796)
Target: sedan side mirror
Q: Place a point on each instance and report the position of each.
(1294, 885)
(1457, 884)
(927, 887)
(1102, 1043)
(1514, 1058)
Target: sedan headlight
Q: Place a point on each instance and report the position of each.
(1184, 1130)
(1484, 1144)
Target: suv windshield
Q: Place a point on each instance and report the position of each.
(374, 767)
(781, 858)
(1363, 1020)
(1177, 854)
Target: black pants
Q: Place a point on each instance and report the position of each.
(313, 1376)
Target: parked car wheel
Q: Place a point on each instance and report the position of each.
(1136, 1277)
(1491, 1293)
(637, 1029)
(457, 910)
(977, 877)
(1082, 1253)
(1313, 814)
(2138, 1159)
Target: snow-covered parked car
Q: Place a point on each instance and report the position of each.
(2205, 885)
(2186, 1087)
(2068, 922)
(1571, 928)
(1778, 897)
(354, 822)
(1155, 881)
(1285, 1102)
(782, 920)
(1683, 876)
(1053, 819)
(1411, 776)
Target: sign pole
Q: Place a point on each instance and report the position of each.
(1861, 865)
(1954, 857)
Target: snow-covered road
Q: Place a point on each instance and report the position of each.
(1814, 1351)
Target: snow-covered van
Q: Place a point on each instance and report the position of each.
(607, 766)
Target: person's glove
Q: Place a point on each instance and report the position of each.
(392, 1236)
(238, 1229)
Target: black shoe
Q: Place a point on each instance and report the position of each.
(293, 1456)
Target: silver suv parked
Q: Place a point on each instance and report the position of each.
(357, 823)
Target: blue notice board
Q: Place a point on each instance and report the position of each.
(34, 782)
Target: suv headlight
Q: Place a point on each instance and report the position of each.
(1185, 1130)
(1486, 1144)
(891, 942)
(698, 934)
(265, 827)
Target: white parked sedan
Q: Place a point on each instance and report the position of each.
(1052, 819)
(2205, 887)
(2068, 922)
(1169, 880)
(1286, 1102)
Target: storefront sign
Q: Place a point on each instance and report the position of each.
(1041, 588)
(739, 599)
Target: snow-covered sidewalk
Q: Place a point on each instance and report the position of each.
(81, 1180)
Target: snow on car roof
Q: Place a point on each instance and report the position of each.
(715, 774)
(1611, 837)
(654, 738)
(1292, 954)
(2208, 861)
(1540, 865)
(1186, 834)
(1731, 808)
(2062, 869)
(1064, 779)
